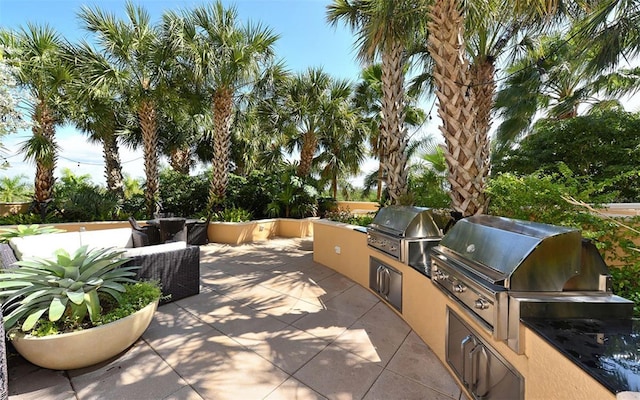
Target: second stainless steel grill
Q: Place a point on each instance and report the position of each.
(502, 270)
(407, 234)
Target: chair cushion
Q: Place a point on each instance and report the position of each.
(140, 239)
(43, 246)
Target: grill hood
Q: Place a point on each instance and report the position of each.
(518, 255)
(408, 222)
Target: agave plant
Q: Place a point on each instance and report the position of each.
(67, 286)
(24, 230)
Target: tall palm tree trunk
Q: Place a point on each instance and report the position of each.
(180, 160)
(45, 155)
(149, 127)
(379, 148)
(463, 152)
(113, 167)
(484, 90)
(393, 114)
(222, 114)
(309, 146)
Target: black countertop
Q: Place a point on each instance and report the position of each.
(609, 350)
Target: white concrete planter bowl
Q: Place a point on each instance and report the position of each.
(87, 347)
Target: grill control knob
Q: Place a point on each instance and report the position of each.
(481, 304)
(459, 288)
(439, 275)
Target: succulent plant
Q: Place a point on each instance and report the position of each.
(67, 285)
(24, 230)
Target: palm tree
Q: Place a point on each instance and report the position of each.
(465, 150)
(226, 59)
(368, 99)
(553, 79)
(314, 107)
(386, 28)
(41, 71)
(135, 56)
(96, 110)
(343, 153)
(610, 33)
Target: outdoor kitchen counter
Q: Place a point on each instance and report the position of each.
(608, 350)
(548, 373)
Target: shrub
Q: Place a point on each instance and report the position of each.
(182, 194)
(232, 215)
(347, 217)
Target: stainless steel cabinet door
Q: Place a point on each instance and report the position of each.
(484, 373)
(386, 281)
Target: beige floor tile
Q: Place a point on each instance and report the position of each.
(337, 374)
(382, 315)
(325, 324)
(28, 382)
(393, 386)
(416, 361)
(257, 297)
(141, 374)
(355, 301)
(333, 285)
(289, 309)
(175, 325)
(254, 330)
(222, 373)
(185, 393)
(318, 272)
(289, 349)
(293, 389)
(376, 344)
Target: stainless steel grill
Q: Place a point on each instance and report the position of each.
(407, 234)
(502, 269)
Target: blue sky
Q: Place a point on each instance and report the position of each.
(306, 40)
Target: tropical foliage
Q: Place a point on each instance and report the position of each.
(601, 148)
(202, 85)
(36, 54)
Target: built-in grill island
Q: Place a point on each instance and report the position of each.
(407, 234)
(502, 270)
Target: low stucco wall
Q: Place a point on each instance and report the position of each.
(88, 226)
(358, 207)
(13, 208)
(547, 373)
(245, 232)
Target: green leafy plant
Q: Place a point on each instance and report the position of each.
(24, 230)
(233, 214)
(346, 217)
(68, 287)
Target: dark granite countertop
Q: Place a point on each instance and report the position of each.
(609, 350)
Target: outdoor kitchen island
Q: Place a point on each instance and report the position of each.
(547, 370)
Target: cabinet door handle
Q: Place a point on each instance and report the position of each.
(484, 380)
(463, 347)
(387, 282)
(474, 359)
(379, 283)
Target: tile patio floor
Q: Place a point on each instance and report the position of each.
(269, 323)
